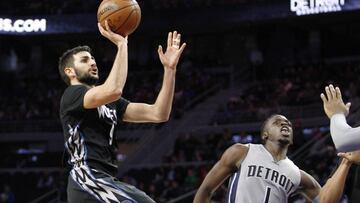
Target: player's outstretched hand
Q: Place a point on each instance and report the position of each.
(112, 36)
(333, 102)
(171, 57)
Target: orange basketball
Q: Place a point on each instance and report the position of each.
(123, 16)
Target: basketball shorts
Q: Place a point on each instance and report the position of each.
(89, 185)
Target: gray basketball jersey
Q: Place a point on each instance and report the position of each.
(262, 180)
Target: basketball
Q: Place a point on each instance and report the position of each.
(123, 16)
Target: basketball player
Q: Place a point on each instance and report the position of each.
(90, 113)
(262, 173)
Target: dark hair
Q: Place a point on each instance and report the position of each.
(263, 141)
(67, 60)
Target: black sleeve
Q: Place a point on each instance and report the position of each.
(121, 105)
(73, 98)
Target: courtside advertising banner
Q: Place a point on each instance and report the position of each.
(311, 7)
(57, 24)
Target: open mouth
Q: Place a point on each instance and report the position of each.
(94, 71)
(285, 131)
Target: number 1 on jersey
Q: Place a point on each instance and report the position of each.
(267, 195)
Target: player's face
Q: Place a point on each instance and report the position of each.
(279, 129)
(85, 68)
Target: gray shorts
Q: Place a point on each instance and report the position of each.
(88, 185)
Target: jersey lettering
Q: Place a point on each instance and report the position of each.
(271, 175)
(107, 113)
(110, 117)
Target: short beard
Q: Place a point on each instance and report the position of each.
(86, 78)
(284, 142)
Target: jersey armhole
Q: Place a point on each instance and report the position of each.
(239, 162)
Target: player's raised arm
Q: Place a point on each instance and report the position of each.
(344, 136)
(160, 110)
(229, 162)
(112, 88)
(332, 191)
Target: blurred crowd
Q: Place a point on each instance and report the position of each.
(295, 86)
(27, 186)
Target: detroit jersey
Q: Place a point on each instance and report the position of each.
(260, 179)
(90, 133)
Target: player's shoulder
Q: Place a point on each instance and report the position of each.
(290, 162)
(291, 165)
(237, 150)
(240, 147)
(72, 94)
(74, 88)
(235, 154)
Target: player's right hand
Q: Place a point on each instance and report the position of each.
(112, 36)
(333, 102)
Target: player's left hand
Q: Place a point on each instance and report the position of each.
(353, 157)
(170, 58)
(333, 102)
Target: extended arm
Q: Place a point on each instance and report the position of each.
(160, 110)
(344, 136)
(332, 191)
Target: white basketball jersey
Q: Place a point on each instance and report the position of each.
(262, 180)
